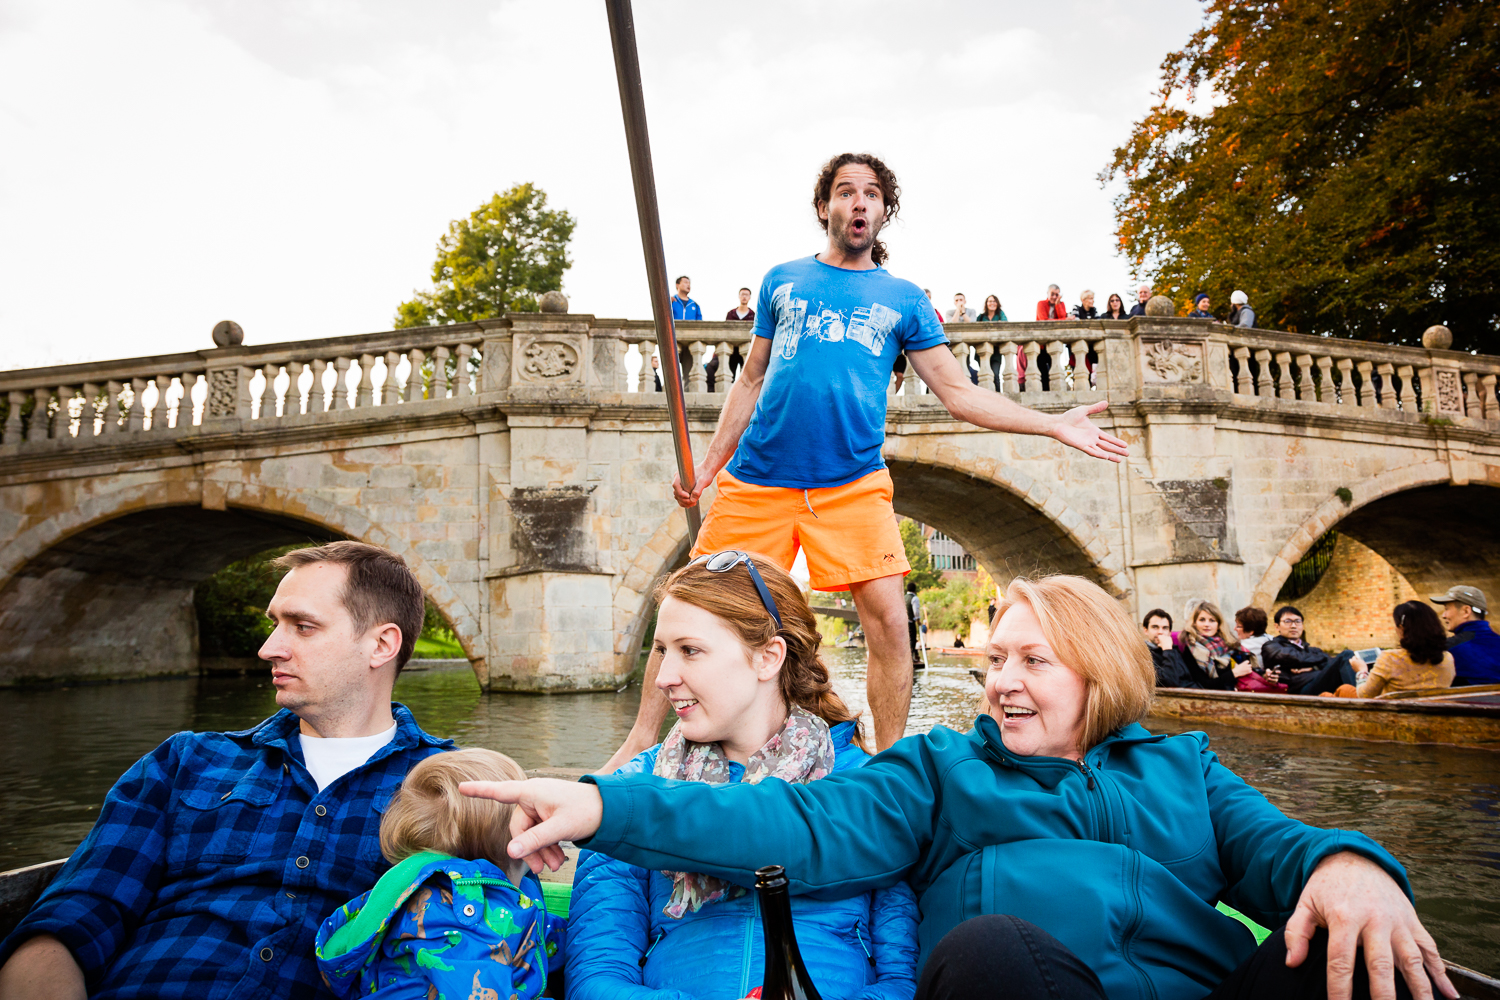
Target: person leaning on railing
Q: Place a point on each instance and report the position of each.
(1058, 847)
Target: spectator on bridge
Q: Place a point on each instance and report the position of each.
(1052, 306)
(755, 705)
(683, 307)
(1240, 313)
(1250, 630)
(1474, 645)
(992, 311)
(656, 372)
(742, 312)
(216, 857)
(1170, 673)
(1143, 295)
(1208, 650)
(1115, 309)
(1419, 662)
(1303, 668)
(1201, 306)
(961, 313)
(1085, 308)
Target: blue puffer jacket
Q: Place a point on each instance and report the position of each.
(1121, 858)
(622, 947)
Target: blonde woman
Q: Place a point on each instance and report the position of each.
(1208, 650)
(1058, 849)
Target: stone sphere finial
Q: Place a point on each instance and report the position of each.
(227, 333)
(554, 302)
(1160, 305)
(1437, 338)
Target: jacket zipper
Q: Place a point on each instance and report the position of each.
(861, 939)
(655, 941)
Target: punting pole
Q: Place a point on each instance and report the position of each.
(633, 104)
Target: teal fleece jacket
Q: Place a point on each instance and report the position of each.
(1122, 857)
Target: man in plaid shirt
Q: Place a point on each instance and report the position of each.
(216, 857)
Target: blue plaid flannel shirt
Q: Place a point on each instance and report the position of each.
(213, 862)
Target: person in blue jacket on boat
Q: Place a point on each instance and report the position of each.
(754, 703)
(1057, 849)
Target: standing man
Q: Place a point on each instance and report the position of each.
(682, 306)
(797, 453)
(1142, 295)
(914, 622)
(217, 856)
(1475, 646)
(742, 313)
(961, 313)
(1052, 306)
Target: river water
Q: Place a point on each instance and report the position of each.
(1436, 808)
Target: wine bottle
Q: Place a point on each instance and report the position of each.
(786, 976)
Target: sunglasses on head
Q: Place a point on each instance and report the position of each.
(723, 562)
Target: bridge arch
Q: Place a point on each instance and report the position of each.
(1435, 533)
(62, 585)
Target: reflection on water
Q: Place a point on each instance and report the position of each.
(1434, 807)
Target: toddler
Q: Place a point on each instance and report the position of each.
(454, 918)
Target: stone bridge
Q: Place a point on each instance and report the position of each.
(522, 472)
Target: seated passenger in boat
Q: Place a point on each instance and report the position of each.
(754, 705)
(1210, 656)
(1421, 661)
(455, 917)
(1057, 848)
(1301, 666)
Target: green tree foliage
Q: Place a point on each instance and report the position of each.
(500, 259)
(922, 574)
(1346, 173)
(954, 604)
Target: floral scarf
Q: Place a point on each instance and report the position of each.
(801, 751)
(1212, 654)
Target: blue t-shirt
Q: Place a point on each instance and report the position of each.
(835, 334)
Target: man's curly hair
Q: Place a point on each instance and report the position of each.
(890, 192)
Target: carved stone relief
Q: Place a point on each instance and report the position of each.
(1450, 394)
(1171, 361)
(223, 392)
(549, 359)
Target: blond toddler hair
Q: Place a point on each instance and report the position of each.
(427, 813)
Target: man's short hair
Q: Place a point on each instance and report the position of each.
(681, 279)
(427, 813)
(1252, 620)
(747, 290)
(890, 192)
(960, 295)
(1155, 613)
(379, 588)
(1288, 610)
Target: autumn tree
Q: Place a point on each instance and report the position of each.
(500, 259)
(1338, 160)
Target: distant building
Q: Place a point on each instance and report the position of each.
(948, 557)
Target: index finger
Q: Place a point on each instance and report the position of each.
(509, 792)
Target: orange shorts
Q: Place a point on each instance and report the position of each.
(849, 532)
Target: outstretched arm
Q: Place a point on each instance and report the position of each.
(739, 407)
(981, 407)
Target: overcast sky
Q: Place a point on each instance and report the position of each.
(290, 164)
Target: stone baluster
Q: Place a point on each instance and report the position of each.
(390, 389)
(1263, 385)
(1366, 371)
(1080, 351)
(88, 413)
(291, 405)
(1405, 397)
(440, 373)
(1347, 395)
(37, 427)
(1324, 390)
(1057, 378)
(111, 421)
(1101, 377)
(1284, 376)
(1033, 377)
(1427, 380)
(1471, 395)
(461, 376)
(1490, 408)
(986, 353)
(1305, 389)
(135, 418)
(160, 407)
(365, 392)
(1008, 367)
(268, 394)
(62, 423)
(184, 415)
(13, 418)
(416, 379)
(1244, 384)
(315, 397)
(914, 384)
(1386, 371)
(722, 380)
(697, 380)
(341, 383)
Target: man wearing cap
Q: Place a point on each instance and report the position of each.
(1475, 646)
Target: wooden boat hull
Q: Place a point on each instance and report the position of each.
(1445, 719)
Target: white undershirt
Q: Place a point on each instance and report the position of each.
(328, 760)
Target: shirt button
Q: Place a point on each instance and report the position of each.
(321, 810)
(468, 909)
(302, 862)
(265, 954)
